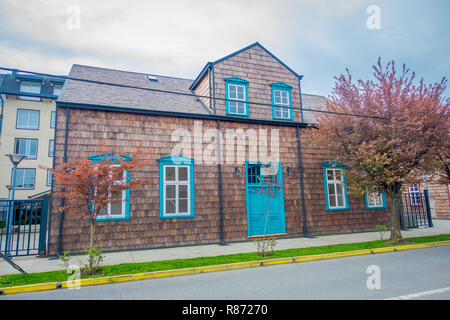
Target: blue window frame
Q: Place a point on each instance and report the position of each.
(336, 195)
(281, 101)
(33, 88)
(119, 207)
(236, 89)
(375, 200)
(27, 119)
(25, 178)
(176, 187)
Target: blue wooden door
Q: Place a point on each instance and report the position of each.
(265, 214)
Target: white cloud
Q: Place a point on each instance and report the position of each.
(172, 37)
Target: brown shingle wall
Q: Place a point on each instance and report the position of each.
(320, 221)
(202, 90)
(145, 229)
(260, 69)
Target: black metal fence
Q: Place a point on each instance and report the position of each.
(416, 210)
(23, 227)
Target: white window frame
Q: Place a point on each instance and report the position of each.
(177, 183)
(280, 106)
(124, 201)
(378, 200)
(335, 183)
(236, 104)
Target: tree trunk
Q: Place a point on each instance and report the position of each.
(396, 212)
(91, 245)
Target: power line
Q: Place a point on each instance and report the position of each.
(184, 93)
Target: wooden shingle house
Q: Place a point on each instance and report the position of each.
(212, 136)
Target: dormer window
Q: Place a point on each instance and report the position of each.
(281, 101)
(30, 87)
(236, 93)
(57, 89)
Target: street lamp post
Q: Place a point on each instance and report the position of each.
(15, 160)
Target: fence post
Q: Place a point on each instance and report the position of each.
(43, 227)
(427, 202)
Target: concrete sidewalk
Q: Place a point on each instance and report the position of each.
(32, 264)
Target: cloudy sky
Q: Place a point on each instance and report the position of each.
(318, 39)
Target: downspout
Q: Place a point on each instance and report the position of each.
(300, 165)
(61, 216)
(219, 167)
(51, 183)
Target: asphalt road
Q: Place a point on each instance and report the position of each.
(413, 274)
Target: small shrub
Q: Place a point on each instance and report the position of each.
(65, 260)
(95, 258)
(381, 229)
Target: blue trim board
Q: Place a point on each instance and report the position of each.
(383, 202)
(236, 81)
(202, 73)
(334, 165)
(282, 87)
(176, 160)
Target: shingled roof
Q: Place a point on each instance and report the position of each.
(312, 101)
(81, 92)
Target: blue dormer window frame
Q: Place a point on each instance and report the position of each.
(117, 160)
(330, 180)
(33, 83)
(235, 87)
(281, 91)
(182, 169)
(382, 204)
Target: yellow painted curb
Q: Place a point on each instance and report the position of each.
(197, 270)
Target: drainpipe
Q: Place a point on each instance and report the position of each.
(300, 165)
(61, 215)
(50, 205)
(219, 167)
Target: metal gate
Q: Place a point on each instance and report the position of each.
(23, 227)
(416, 210)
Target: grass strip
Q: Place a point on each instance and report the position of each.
(132, 268)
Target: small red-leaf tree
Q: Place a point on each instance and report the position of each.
(381, 154)
(89, 186)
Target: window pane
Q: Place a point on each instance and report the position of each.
(29, 178)
(170, 173)
(32, 148)
(170, 206)
(340, 200)
(22, 118)
(330, 175)
(183, 191)
(182, 174)
(116, 205)
(332, 200)
(57, 89)
(331, 188)
(53, 119)
(30, 87)
(19, 178)
(183, 206)
(51, 148)
(170, 192)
